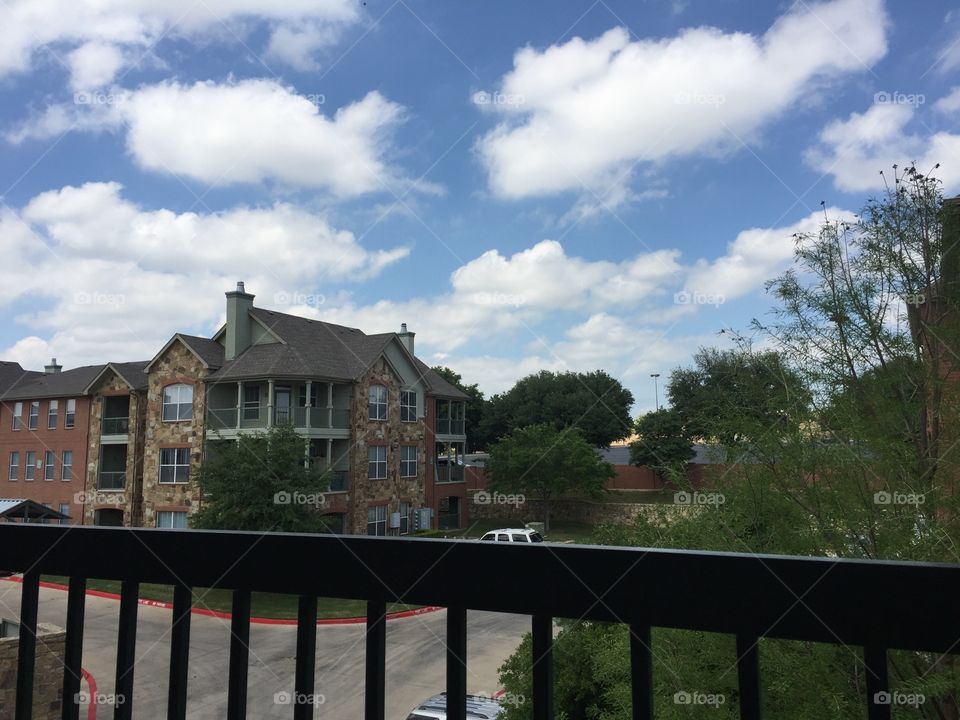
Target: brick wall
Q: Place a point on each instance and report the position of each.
(48, 674)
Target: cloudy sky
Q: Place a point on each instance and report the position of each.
(561, 185)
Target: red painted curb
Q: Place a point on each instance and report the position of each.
(92, 684)
(226, 616)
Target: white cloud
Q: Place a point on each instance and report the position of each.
(753, 257)
(26, 26)
(113, 280)
(855, 150)
(243, 132)
(580, 114)
(94, 64)
(297, 45)
(949, 104)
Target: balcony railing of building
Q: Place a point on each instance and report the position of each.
(448, 426)
(107, 480)
(449, 473)
(318, 418)
(339, 480)
(869, 606)
(115, 426)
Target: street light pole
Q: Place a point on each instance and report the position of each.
(656, 390)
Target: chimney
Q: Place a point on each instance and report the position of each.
(52, 367)
(406, 337)
(239, 303)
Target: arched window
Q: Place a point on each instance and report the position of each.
(177, 402)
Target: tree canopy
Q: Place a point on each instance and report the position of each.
(662, 443)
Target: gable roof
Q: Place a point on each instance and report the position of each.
(69, 383)
(438, 384)
(207, 351)
(21, 508)
(11, 374)
(132, 373)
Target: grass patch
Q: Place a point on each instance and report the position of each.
(267, 605)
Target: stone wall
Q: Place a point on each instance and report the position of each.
(177, 364)
(585, 511)
(391, 433)
(48, 674)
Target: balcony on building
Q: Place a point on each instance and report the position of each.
(112, 469)
(314, 408)
(451, 416)
(115, 425)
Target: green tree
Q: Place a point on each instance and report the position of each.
(542, 462)
(594, 402)
(475, 409)
(662, 443)
(259, 482)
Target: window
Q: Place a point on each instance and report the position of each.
(378, 403)
(408, 461)
(34, 415)
(71, 414)
(251, 402)
(14, 466)
(172, 519)
(174, 465)
(404, 518)
(48, 465)
(177, 403)
(53, 408)
(30, 468)
(408, 406)
(66, 465)
(17, 415)
(377, 520)
(64, 510)
(377, 462)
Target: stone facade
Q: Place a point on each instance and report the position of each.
(393, 434)
(177, 365)
(130, 499)
(48, 674)
(585, 511)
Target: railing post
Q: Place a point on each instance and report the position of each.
(878, 686)
(542, 667)
(641, 672)
(748, 677)
(303, 685)
(456, 663)
(239, 656)
(73, 650)
(375, 706)
(179, 653)
(126, 650)
(27, 651)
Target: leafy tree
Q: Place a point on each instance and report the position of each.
(662, 443)
(476, 407)
(735, 395)
(259, 482)
(594, 402)
(542, 462)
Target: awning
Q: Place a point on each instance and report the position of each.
(23, 509)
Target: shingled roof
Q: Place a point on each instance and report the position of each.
(52, 385)
(11, 374)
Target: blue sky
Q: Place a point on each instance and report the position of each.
(561, 185)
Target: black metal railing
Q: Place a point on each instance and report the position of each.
(872, 605)
(107, 480)
(116, 426)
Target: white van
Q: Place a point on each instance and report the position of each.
(479, 707)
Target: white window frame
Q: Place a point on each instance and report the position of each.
(377, 404)
(70, 416)
(49, 465)
(33, 419)
(408, 412)
(176, 465)
(181, 415)
(17, 416)
(172, 516)
(406, 462)
(66, 468)
(53, 414)
(13, 469)
(30, 466)
(377, 460)
(378, 513)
